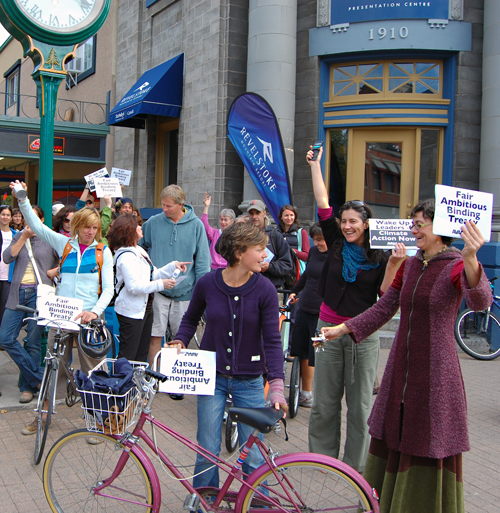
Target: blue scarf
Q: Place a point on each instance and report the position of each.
(354, 260)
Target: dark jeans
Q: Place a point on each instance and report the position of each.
(304, 329)
(4, 296)
(135, 337)
(27, 358)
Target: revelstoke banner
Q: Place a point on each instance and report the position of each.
(253, 129)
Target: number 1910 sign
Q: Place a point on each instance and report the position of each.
(392, 33)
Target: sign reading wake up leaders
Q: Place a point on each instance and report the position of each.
(455, 206)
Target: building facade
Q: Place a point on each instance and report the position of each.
(403, 94)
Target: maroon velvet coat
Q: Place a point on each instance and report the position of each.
(423, 370)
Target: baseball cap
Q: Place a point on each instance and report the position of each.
(256, 205)
(126, 200)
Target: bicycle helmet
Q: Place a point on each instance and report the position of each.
(96, 340)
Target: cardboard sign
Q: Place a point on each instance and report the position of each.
(123, 175)
(96, 174)
(455, 206)
(190, 372)
(60, 308)
(386, 233)
(109, 186)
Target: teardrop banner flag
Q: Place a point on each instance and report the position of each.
(253, 129)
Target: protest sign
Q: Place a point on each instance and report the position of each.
(59, 307)
(123, 175)
(190, 372)
(109, 186)
(92, 176)
(385, 233)
(455, 205)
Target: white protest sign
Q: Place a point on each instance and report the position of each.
(269, 257)
(123, 175)
(385, 233)
(454, 206)
(59, 307)
(190, 372)
(96, 174)
(109, 186)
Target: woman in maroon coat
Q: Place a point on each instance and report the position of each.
(419, 420)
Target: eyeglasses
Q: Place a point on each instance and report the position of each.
(418, 225)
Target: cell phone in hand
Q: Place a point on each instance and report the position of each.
(316, 147)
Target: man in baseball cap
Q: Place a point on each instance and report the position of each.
(280, 263)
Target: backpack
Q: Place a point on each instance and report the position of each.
(99, 257)
(115, 293)
(292, 277)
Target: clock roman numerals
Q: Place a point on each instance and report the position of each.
(54, 21)
(36, 12)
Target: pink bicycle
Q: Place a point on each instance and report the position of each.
(96, 471)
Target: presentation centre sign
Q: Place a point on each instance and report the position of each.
(352, 11)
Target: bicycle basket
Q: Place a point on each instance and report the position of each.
(109, 411)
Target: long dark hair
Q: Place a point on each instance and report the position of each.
(57, 223)
(123, 232)
(373, 256)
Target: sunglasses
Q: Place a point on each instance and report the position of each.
(67, 220)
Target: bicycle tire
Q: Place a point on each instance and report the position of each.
(293, 396)
(46, 395)
(471, 339)
(74, 466)
(231, 435)
(316, 485)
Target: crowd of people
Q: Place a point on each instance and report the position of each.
(232, 275)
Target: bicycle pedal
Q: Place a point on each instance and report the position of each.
(192, 502)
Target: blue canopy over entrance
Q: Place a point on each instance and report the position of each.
(158, 91)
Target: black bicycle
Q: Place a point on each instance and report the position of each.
(94, 339)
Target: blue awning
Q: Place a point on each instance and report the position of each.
(158, 91)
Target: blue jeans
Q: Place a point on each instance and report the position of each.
(27, 358)
(246, 394)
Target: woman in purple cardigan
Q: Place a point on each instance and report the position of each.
(419, 420)
(242, 315)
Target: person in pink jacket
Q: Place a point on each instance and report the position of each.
(226, 218)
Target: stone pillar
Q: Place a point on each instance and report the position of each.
(271, 69)
(489, 177)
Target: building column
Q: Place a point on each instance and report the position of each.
(271, 70)
(489, 177)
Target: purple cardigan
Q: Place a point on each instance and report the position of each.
(213, 235)
(423, 370)
(242, 325)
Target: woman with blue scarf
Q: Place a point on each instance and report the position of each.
(352, 278)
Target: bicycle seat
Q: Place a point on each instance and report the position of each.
(262, 419)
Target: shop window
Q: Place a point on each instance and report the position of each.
(83, 64)
(338, 168)
(386, 79)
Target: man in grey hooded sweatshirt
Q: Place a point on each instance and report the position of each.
(176, 234)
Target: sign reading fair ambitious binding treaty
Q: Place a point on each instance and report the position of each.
(352, 11)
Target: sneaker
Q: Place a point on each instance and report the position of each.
(26, 397)
(306, 402)
(32, 428)
(177, 397)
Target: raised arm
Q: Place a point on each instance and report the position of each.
(206, 203)
(320, 192)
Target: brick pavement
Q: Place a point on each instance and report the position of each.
(21, 487)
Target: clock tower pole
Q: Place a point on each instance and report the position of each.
(50, 33)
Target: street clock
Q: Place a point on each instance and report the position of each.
(56, 22)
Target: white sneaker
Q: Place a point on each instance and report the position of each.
(305, 402)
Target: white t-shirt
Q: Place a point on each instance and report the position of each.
(4, 268)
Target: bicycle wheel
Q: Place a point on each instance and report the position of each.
(45, 406)
(231, 435)
(313, 486)
(293, 397)
(80, 461)
(474, 337)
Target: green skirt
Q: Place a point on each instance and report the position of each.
(411, 484)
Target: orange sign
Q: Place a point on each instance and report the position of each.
(34, 144)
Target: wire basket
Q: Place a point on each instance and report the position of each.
(109, 413)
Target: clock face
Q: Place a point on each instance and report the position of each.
(63, 16)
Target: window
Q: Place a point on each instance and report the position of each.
(83, 64)
(386, 79)
(12, 87)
